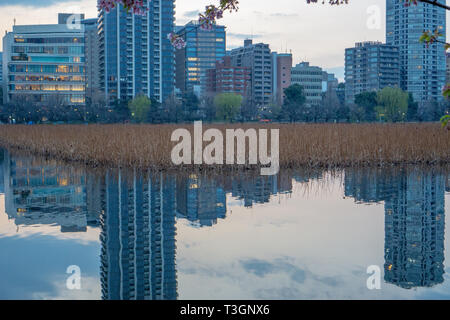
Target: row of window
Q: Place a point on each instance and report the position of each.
(49, 78)
(36, 68)
(46, 87)
(73, 50)
(50, 40)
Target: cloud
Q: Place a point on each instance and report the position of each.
(243, 35)
(31, 3)
(191, 14)
(284, 15)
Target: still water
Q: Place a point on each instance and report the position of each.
(298, 235)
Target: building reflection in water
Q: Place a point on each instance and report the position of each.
(46, 194)
(137, 215)
(414, 220)
(138, 237)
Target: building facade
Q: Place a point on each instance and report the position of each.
(1, 70)
(422, 67)
(447, 75)
(43, 63)
(203, 49)
(258, 58)
(282, 64)
(136, 56)
(370, 66)
(91, 54)
(310, 78)
(225, 78)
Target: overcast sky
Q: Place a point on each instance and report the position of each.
(315, 33)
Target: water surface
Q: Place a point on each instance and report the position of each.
(299, 235)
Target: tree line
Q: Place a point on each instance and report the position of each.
(387, 105)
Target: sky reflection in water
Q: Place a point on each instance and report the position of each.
(299, 235)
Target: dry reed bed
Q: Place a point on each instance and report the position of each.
(311, 145)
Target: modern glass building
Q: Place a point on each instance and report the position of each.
(203, 49)
(370, 66)
(136, 56)
(422, 68)
(44, 62)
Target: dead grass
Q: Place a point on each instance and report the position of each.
(310, 145)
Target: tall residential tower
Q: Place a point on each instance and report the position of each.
(422, 67)
(136, 56)
(370, 66)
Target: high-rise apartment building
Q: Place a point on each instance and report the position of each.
(203, 49)
(44, 62)
(225, 78)
(370, 66)
(136, 56)
(310, 78)
(258, 58)
(282, 64)
(1, 70)
(91, 54)
(422, 67)
(447, 75)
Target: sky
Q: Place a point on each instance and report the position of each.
(315, 33)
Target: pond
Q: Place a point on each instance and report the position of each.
(301, 234)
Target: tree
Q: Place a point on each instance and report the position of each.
(343, 113)
(139, 108)
(392, 104)
(412, 108)
(96, 110)
(209, 108)
(173, 110)
(155, 114)
(228, 106)
(249, 111)
(294, 102)
(119, 111)
(330, 105)
(367, 101)
(430, 111)
(272, 112)
(190, 104)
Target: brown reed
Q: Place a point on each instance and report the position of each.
(310, 145)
